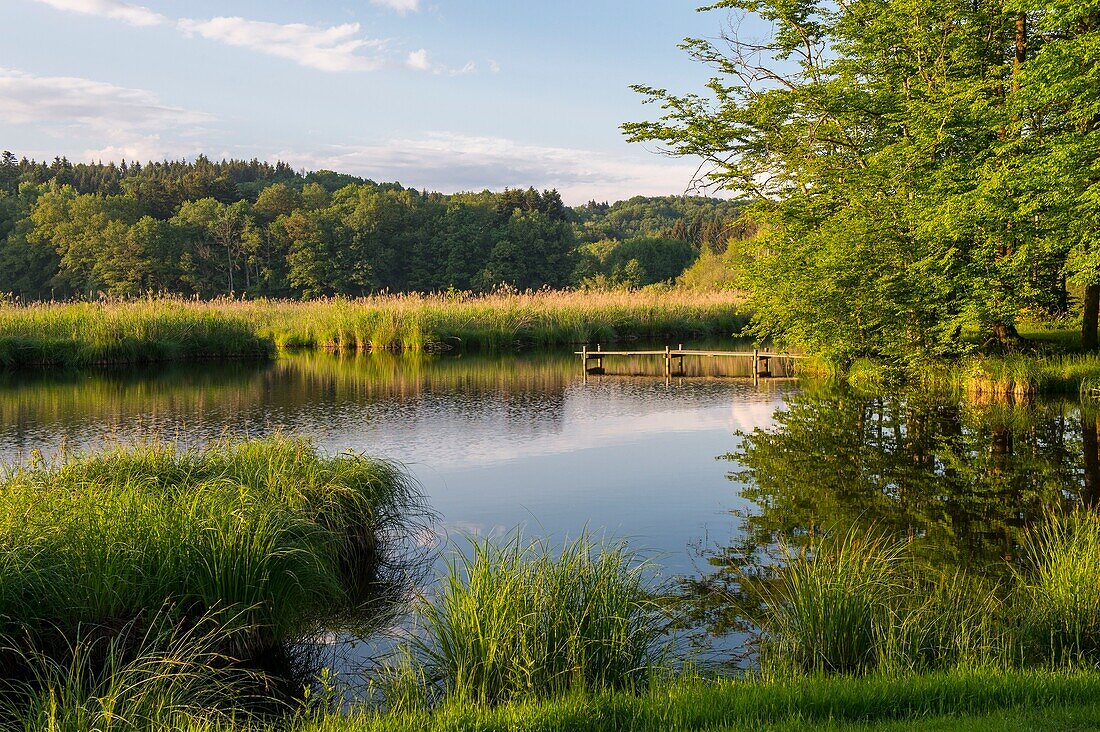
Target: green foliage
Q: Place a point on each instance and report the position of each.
(520, 621)
(633, 263)
(235, 228)
(924, 167)
(267, 539)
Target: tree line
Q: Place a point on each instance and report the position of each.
(250, 228)
(922, 168)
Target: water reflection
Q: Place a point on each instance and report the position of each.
(496, 441)
(960, 481)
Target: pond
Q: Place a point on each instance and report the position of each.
(504, 442)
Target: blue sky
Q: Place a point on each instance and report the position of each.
(440, 94)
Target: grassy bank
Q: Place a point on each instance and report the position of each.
(839, 702)
(963, 700)
(856, 634)
(1012, 377)
(265, 540)
(81, 334)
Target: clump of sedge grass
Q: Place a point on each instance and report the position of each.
(520, 621)
(156, 675)
(858, 603)
(828, 609)
(269, 535)
(1059, 589)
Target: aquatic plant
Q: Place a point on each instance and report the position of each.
(268, 535)
(518, 620)
(858, 602)
(144, 331)
(1059, 589)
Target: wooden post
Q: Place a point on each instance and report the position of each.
(755, 364)
(584, 360)
(668, 362)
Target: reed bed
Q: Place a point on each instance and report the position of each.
(90, 334)
(518, 620)
(1027, 376)
(159, 329)
(268, 536)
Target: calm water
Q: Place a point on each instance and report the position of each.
(525, 441)
(496, 443)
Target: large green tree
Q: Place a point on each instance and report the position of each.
(890, 146)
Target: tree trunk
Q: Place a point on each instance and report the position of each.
(1090, 431)
(1090, 317)
(1021, 49)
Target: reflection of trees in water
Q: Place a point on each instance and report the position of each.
(961, 482)
(198, 402)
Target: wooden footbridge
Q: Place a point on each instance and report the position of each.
(761, 359)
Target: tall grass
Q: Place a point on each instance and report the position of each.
(1027, 376)
(79, 334)
(857, 603)
(831, 611)
(1059, 589)
(520, 621)
(87, 334)
(162, 677)
(268, 535)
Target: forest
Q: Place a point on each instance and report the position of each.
(250, 229)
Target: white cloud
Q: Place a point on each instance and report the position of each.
(399, 6)
(126, 123)
(68, 100)
(421, 61)
(329, 49)
(113, 9)
(145, 147)
(449, 162)
(494, 66)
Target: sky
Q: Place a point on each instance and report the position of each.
(448, 95)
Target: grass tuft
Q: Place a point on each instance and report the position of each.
(520, 621)
(268, 535)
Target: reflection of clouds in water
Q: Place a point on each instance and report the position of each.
(588, 417)
(474, 417)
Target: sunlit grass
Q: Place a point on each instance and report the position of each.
(81, 334)
(270, 535)
(1059, 589)
(955, 700)
(520, 620)
(87, 334)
